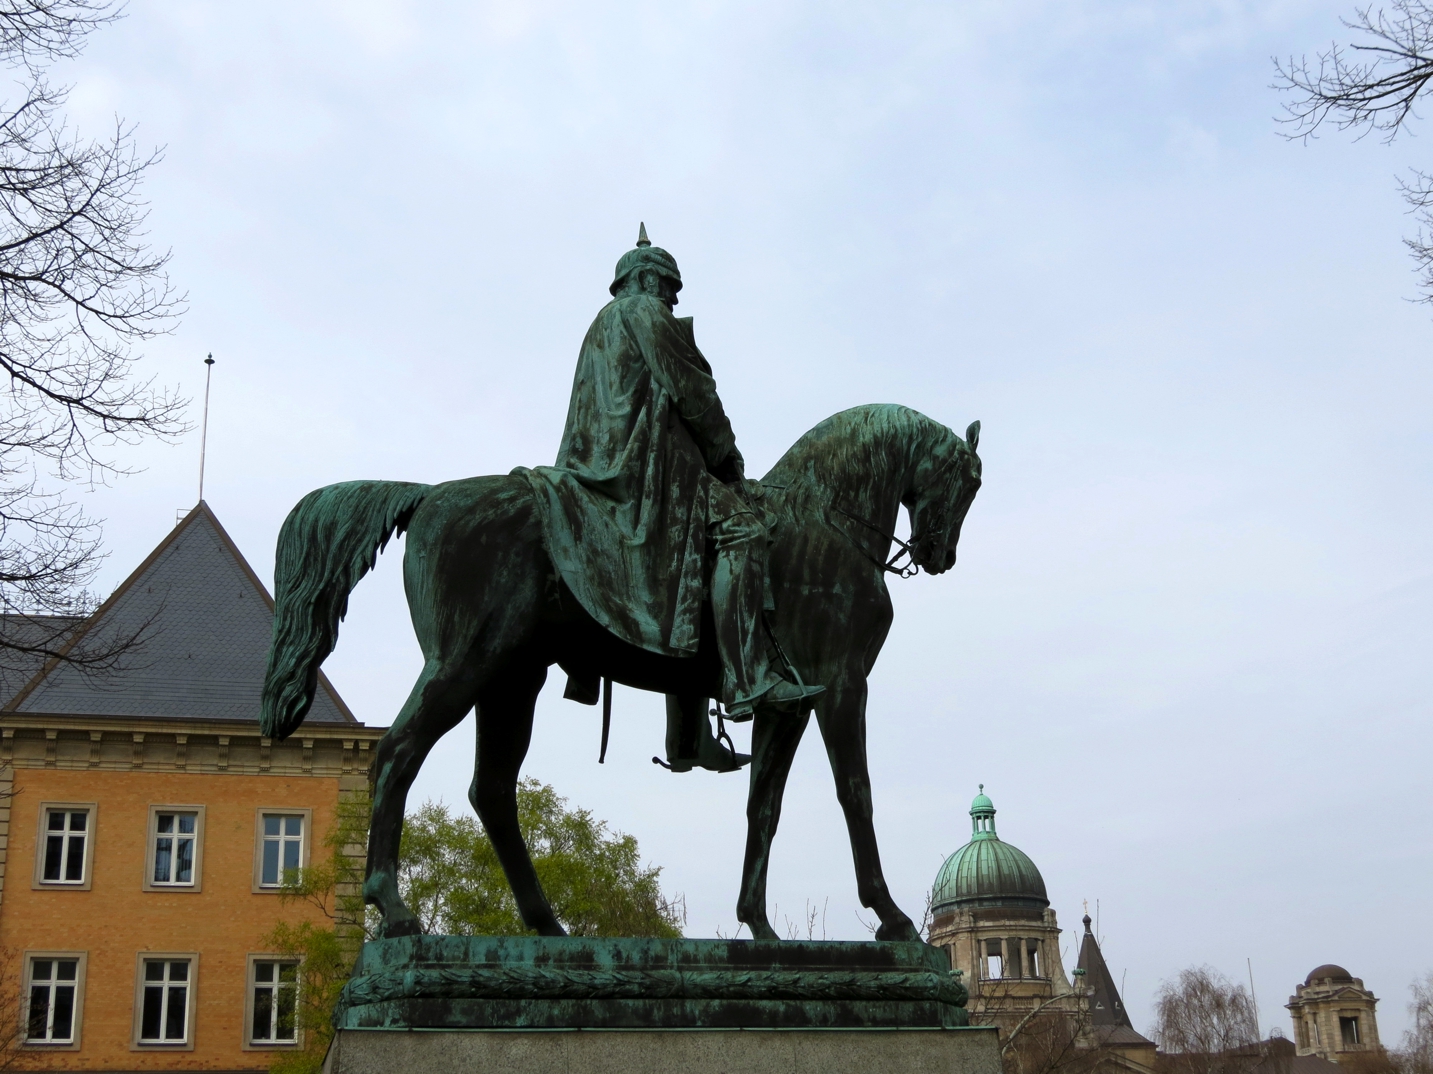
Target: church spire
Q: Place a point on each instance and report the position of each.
(1106, 1006)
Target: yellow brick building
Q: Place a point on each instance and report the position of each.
(145, 826)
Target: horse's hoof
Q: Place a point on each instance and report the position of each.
(762, 930)
(402, 926)
(901, 931)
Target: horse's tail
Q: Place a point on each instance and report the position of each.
(328, 542)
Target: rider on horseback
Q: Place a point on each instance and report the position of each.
(649, 490)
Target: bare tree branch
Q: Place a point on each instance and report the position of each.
(79, 289)
(35, 32)
(1372, 85)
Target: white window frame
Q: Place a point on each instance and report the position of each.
(250, 1044)
(305, 844)
(138, 1042)
(152, 836)
(91, 809)
(72, 1044)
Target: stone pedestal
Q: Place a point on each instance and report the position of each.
(660, 1051)
(575, 982)
(564, 1005)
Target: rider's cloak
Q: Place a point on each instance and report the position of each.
(626, 507)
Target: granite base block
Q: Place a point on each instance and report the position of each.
(972, 1050)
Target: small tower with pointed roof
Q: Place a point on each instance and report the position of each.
(1110, 1027)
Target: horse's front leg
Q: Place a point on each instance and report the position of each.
(434, 707)
(843, 727)
(774, 738)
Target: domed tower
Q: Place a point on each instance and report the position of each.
(1333, 1015)
(990, 911)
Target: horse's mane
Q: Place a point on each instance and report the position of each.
(854, 436)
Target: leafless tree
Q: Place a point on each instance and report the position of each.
(1202, 1022)
(79, 288)
(1372, 85)
(1050, 1036)
(1415, 1053)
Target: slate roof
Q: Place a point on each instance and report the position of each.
(48, 632)
(204, 621)
(1106, 1006)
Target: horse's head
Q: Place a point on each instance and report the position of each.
(940, 495)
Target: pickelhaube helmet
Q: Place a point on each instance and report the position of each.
(645, 255)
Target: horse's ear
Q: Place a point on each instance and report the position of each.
(972, 435)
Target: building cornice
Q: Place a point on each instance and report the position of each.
(195, 724)
(177, 744)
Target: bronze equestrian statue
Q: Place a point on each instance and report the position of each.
(644, 557)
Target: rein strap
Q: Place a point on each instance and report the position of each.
(910, 570)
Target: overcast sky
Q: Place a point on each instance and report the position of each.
(1185, 647)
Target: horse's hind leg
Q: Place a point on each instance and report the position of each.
(438, 701)
(504, 733)
(842, 718)
(774, 738)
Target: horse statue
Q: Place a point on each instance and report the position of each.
(491, 617)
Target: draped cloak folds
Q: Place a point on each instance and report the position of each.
(626, 507)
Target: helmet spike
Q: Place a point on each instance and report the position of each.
(642, 239)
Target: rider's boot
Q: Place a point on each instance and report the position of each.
(738, 591)
(690, 742)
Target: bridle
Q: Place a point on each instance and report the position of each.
(909, 570)
(892, 565)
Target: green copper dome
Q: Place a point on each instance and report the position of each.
(987, 871)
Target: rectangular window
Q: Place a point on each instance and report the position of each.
(273, 1002)
(164, 1001)
(1318, 1040)
(1032, 958)
(54, 984)
(1348, 1028)
(66, 840)
(281, 847)
(174, 848)
(174, 860)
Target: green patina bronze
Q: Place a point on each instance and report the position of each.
(987, 871)
(535, 982)
(645, 557)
